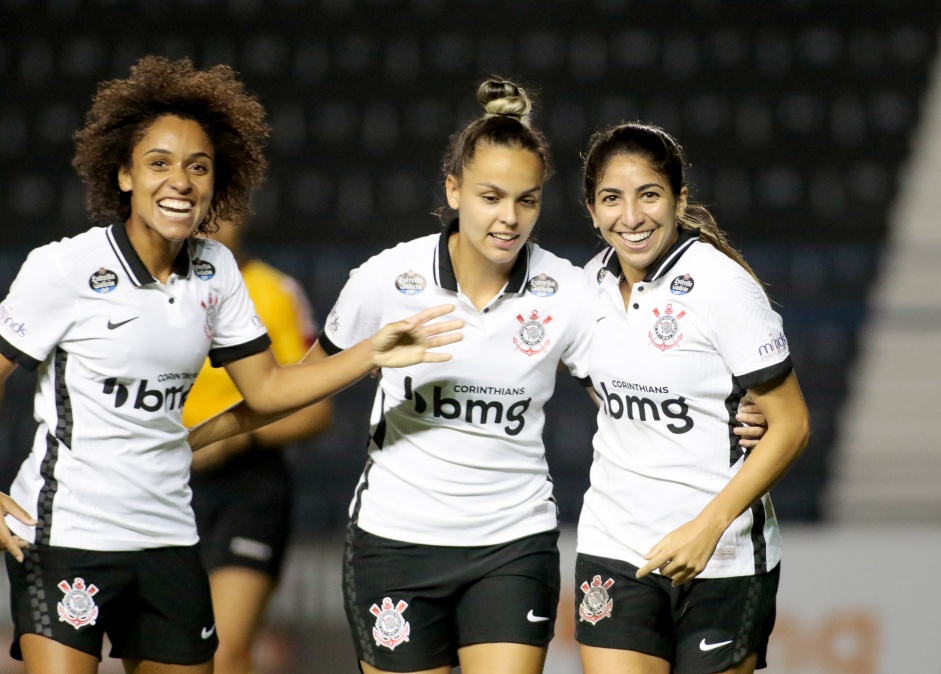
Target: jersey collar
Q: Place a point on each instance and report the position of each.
(133, 265)
(444, 268)
(685, 239)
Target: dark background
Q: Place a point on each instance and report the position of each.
(797, 116)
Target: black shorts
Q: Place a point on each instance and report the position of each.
(243, 512)
(153, 604)
(706, 625)
(410, 607)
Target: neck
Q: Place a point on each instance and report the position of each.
(480, 279)
(157, 253)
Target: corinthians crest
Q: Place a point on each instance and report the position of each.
(211, 305)
(391, 627)
(596, 605)
(77, 606)
(531, 338)
(666, 329)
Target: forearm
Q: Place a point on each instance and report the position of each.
(765, 465)
(305, 423)
(276, 391)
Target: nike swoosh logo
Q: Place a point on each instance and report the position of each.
(533, 618)
(112, 326)
(205, 634)
(703, 646)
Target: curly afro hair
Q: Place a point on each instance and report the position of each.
(123, 111)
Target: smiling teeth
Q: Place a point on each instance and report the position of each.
(636, 238)
(175, 205)
(503, 237)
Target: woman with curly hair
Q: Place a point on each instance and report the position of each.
(117, 321)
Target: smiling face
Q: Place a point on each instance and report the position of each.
(170, 179)
(497, 198)
(636, 212)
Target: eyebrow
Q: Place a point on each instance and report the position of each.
(537, 188)
(158, 150)
(640, 188)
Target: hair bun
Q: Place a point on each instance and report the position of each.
(503, 98)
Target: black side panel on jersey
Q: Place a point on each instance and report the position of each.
(379, 435)
(63, 436)
(759, 544)
(359, 492)
(731, 407)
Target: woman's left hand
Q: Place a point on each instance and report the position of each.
(754, 427)
(408, 341)
(683, 553)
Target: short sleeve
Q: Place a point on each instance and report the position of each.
(747, 332)
(576, 354)
(38, 312)
(357, 313)
(238, 331)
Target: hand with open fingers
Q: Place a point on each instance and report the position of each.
(683, 553)
(754, 427)
(13, 543)
(408, 341)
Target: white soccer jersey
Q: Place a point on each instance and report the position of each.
(669, 374)
(117, 353)
(456, 454)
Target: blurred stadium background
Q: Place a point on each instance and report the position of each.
(814, 129)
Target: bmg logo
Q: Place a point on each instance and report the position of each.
(147, 399)
(444, 407)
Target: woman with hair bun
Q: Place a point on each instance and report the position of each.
(117, 320)
(678, 544)
(451, 554)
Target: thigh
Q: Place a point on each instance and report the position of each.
(513, 596)
(722, 622)
(172, 620)
(68, 596)
(610, 660)
(45, 656)
(496, 658)
(239, 598)
(398, 601)
(615, 610)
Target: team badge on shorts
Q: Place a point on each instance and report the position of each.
(596, 604)
(666, 329)
(410, 283)
(391, 627)
(77, 607)
(103, 281)
(531, 338)
(542, 285)
(211, 305)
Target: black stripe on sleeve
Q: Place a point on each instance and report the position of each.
(329, 347)
(766, 374)
(17, 356)
(584, 381)
(229, 354)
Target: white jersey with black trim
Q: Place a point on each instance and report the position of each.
(456, 455)
(669, 374)
(117, 353)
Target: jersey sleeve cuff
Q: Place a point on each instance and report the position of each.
(228, 354)
(766, 374)
(329, 347)
(15, 355)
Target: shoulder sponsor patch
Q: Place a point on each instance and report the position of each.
(410, 283)
(10, 324)
(681, 284)
(601, 274)
(203, 270)
(103, 281)
(542, 285)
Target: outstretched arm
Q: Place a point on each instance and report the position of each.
(682, 554)
(271, 391)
